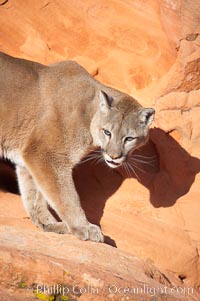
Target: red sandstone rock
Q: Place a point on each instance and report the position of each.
(151, 51)
(30, 258)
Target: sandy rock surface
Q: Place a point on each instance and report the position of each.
(30, 259)
(151, 50)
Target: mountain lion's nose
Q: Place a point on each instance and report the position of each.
(115, 156)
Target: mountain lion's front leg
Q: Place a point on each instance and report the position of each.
(54, 179)
(35, 204)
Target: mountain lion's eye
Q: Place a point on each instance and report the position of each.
(129, 139)
(107, 133)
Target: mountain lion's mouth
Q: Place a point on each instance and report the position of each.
(112, 164)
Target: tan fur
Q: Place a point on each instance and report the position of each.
(49, 116)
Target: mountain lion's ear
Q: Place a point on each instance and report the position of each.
(105, 101)
(147, 116)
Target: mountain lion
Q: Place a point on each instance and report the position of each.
(49, 117)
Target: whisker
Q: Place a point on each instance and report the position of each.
(147, 157)
(89, 155)
(129, 170)
(98, 160)
(138, 159)
(131, 167)
(135, 165)
(142, 161)
(125, 168)
(87, 159)
(101, 159)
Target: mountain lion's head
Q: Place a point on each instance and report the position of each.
(119, 127)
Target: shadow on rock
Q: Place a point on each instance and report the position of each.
(177, 170)
(162, 166)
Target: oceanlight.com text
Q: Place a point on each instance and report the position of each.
(113, 289)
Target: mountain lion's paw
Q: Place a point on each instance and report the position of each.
(58, 227)
(90, 232)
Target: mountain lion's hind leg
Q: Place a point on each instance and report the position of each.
(36, 206)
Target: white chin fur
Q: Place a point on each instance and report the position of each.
(111, 165)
